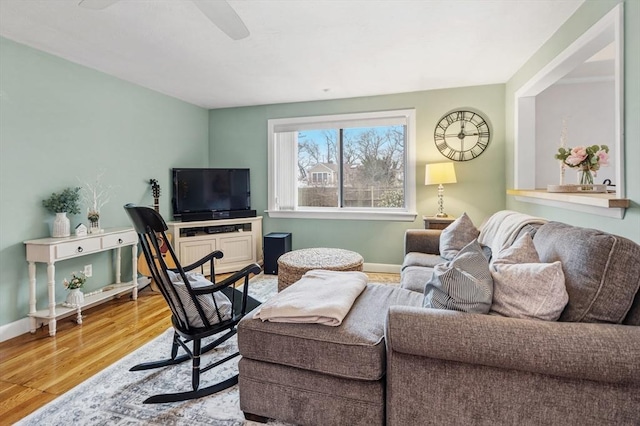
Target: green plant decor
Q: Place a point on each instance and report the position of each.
(66, 201)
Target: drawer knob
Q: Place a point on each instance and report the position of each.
(79, 249)
(120, 241)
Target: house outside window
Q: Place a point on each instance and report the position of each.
(350, 166)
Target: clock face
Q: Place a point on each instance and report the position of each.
(462, 135)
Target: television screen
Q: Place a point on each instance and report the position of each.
(210, 190)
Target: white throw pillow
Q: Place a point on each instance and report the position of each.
(456, 236)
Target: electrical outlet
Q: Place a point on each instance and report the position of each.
(88, 270)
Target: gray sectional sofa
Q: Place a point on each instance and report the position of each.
(393, 361)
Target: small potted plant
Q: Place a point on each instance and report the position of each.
(62, 203)
(75, 296)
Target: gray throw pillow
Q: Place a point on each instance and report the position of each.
(207, 301)
(525, 288)
(529, 290)
(457, 235)
(521, 251)
(463, 284)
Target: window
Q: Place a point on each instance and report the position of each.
(351, 166)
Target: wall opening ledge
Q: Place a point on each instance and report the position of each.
(600, 204)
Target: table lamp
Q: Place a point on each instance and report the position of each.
(439, 173)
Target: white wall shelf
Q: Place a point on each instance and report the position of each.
(600, 204)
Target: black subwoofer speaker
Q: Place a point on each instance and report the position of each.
(275, 245)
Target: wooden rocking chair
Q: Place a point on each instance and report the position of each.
(199, 308)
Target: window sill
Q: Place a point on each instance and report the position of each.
(343, 215)
(600, 204)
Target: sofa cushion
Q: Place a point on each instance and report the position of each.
(602, 271)
(355, 349)
(415, 278)
(457, 235)
(463, 284)
(422, 259)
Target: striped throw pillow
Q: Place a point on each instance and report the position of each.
(462, 284)
(206, 300)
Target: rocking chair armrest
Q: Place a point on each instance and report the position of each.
(217, 254)
(252, 268)
(246, 271)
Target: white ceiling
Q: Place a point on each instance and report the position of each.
(297, 50)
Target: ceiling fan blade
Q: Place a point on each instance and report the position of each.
(223, 16)
(96, 4)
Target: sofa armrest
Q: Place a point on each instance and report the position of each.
(422, 241)
(600, 352)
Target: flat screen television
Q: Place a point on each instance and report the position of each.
(204, 194)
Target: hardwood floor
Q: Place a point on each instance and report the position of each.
(36, 368)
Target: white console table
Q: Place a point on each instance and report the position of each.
(52, 250)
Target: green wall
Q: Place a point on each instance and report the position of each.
(60, 122)
(238, 138)
(587, 15)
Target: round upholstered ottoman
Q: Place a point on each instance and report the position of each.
(294, 264)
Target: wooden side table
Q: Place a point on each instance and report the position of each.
(433, 222)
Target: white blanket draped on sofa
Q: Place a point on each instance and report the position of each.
(320, 296)
(501, 229)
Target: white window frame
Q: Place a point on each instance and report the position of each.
(379, 118)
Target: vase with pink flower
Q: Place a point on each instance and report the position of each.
(587, 160)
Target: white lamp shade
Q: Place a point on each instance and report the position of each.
(439, 173)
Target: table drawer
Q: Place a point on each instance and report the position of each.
(115, 240)
(77, 248)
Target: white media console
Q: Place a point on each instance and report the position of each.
(240, 240)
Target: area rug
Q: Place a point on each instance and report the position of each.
(114, 396)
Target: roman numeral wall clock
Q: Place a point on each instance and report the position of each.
(462, 135)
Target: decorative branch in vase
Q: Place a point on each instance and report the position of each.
(563, 143)
(95, 196)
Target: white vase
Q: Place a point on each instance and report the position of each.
(61, 226)
(75, 297)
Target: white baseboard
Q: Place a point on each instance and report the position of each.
(14, 329)
(385, 268)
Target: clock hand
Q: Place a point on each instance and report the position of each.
(462, 134)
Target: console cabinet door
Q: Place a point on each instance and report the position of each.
(237, 249)
(191, 251)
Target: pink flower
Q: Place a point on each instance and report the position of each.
(574, 160)
(603, 158)
(579, 151)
